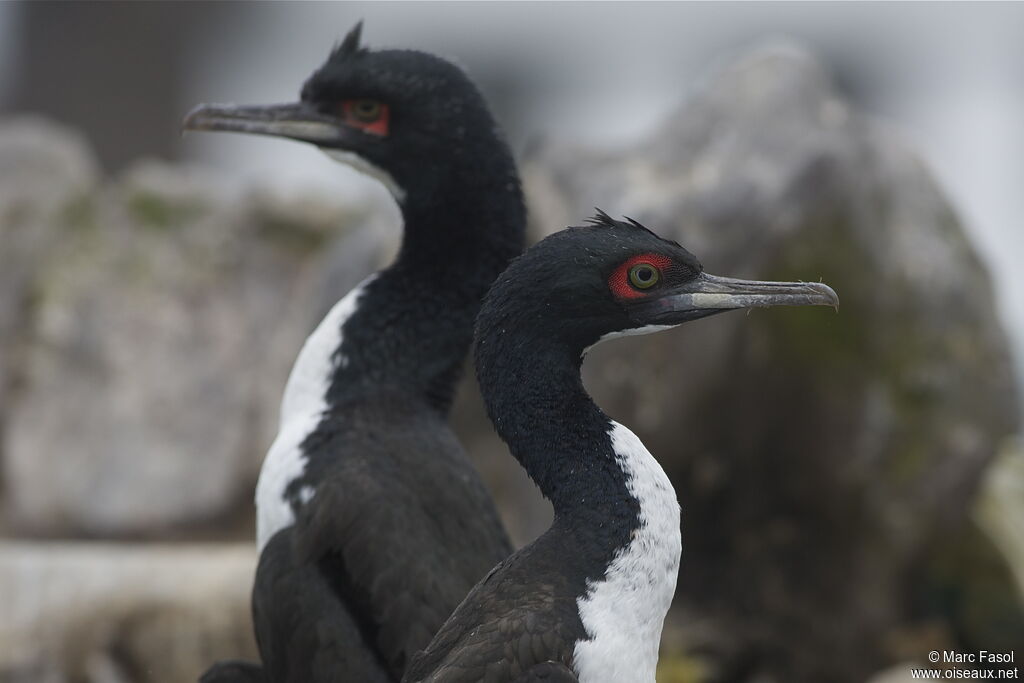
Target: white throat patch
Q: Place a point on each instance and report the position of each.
(305, 399)
(373, 170)
(632, 332)
(623, 613)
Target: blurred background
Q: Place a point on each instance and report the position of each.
(852, 485)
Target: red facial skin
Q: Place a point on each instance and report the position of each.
(619, 283)
(378, 126)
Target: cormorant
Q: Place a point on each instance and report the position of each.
(585, 602)
(372, 524)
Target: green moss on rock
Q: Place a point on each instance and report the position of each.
(152, 210)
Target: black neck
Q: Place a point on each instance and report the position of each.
(536, 399)
(413, 326)
(474, 210)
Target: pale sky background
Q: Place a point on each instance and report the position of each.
(951, 76)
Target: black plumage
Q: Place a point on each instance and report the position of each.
(389, 525)
(564, 608)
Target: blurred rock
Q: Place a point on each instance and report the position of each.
(46, 173)
(1000, 510)
(967, 595)
(102, 613)
(818, 456)
(151, 353)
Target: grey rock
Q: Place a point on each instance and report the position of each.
(106, 613)
(166, 312)
(1000, 507)
(818, 456)
(46, 175)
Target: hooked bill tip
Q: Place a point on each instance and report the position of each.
(194, 118)
(829, 294)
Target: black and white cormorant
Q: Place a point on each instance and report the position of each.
(372, 524)
(585, 601)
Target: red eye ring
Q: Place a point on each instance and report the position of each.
(370, 116)
(622, 283)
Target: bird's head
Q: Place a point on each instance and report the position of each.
(405, 117)
(614, 278)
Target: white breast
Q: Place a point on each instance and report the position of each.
(624, 612)
(305, 399)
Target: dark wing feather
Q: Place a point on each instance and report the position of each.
(304, 634)
(548, 672)
(233, 671)
(400, 525)
(521, 617)
(499, 651)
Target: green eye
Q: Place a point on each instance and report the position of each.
(366, 111)
(644, 276)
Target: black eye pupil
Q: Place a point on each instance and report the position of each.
(366, 110)
(643, 276)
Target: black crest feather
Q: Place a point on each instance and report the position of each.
(601, 219)
(350, 45)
